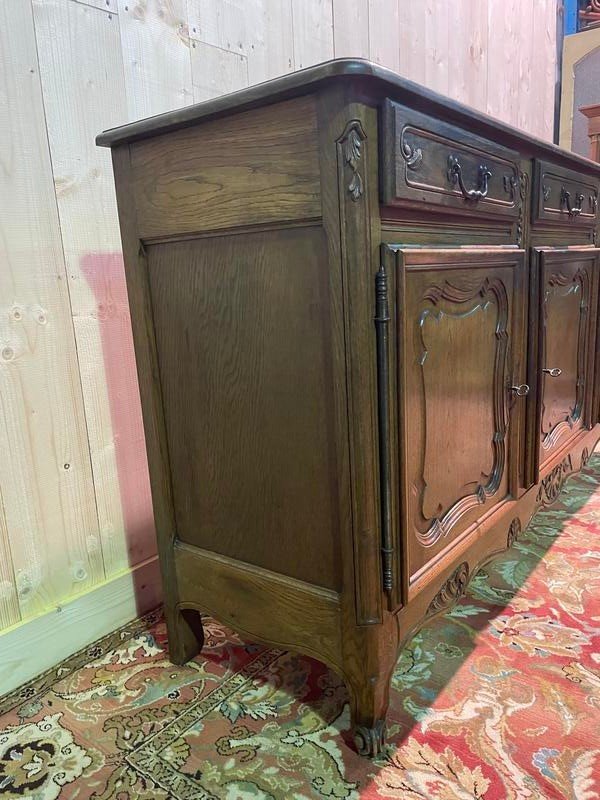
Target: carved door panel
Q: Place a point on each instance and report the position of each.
(565, 364)
(460, 355)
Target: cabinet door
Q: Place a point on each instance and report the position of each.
(567, 298)
(460, 353)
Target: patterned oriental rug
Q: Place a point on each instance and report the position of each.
(498, 699)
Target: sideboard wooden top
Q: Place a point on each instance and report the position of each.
(373, 81)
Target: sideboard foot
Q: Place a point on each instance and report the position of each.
(186, 635)
(369, 701)
(370, 741)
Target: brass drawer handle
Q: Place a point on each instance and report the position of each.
(554, 372)
(455, 177)
(521, 390)
(565, 200)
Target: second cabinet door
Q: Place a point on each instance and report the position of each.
(460, 355)
(564, 380)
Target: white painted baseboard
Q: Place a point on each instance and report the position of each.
(33, 646)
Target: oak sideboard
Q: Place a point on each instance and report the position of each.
(366, 330)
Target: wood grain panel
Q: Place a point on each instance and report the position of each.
(243, 333)
(260, 168)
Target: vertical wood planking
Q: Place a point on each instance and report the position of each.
(216, 71)
(467, 52)
(525, 116)
(273, 51)
(104, 5)
(228, 24)
(351, 28)
(543, 68)
(45, 472)
(81, 71)
(436, 45)
(312, 23)
(411, 38)
(9, 605)
(383, 33)
(503, 59)
(258, 30)
(156, 55)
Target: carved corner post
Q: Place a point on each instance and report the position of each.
(348, 135)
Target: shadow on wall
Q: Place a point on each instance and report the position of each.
(105, 275)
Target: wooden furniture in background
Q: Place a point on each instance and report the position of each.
(365, 321)
(593, 115)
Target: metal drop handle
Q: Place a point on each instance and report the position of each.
(455, 177)
(554, 372)
(521, 390)
(565, 200)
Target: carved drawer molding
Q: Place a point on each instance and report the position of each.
(564, 196)
(428, 161)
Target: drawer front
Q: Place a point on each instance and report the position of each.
(428, 161)
(564, 196)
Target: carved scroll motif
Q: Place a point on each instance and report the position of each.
(551, 486)
(514, 532)
(523, 194)
(451, 591)
(411, 154)
(585, 457)
(351, 142)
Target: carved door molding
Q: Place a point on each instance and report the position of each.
(460, 356)
(566, 298)
(438, 301)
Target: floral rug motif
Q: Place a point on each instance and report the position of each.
(499, 699)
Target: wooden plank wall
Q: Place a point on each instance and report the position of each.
(74, 500)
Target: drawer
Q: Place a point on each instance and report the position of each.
(425, 160)
(562, 195)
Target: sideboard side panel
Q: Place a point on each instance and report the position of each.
(259, 168)
(243, 333)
